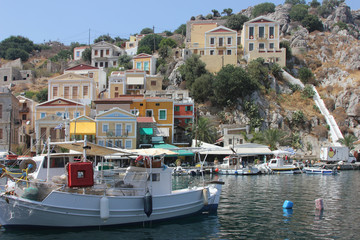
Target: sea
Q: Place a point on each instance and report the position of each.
(251, 207)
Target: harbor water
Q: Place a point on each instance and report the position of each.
(250, 208)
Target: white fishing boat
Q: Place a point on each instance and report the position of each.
(233, 165)
(140, 194)
(277, 165)
(320, 171)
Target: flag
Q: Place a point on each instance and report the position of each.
(58, 126)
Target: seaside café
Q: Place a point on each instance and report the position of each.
(248, 152)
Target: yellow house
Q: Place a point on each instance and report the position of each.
(81, 126)
(216, 45)
(145, 62)
(116, 128)
(260, 38)
(162, 109)
(72, 86)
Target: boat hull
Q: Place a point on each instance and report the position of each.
(62, 209)
(320, 171)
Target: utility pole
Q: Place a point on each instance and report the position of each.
(10, 118)
(89, 36)
(154, 38)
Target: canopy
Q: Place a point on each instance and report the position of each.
(92, 150)
(177, 150)
(152, 151)
(281, 152)
(146, 131)
(83, 128)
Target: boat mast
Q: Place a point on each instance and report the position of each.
(48, 160)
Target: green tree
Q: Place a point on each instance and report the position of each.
(125, 62)
(272, 137)
(236, 21)
(328, 6)
(295, 2)
(181, 30)
(252, 112)
(312, 23)
(348, 141)
(258, 72)
(263, 9)
(62, 55)
(168, 42)
(144, 49)
(15, 53)
(276, 71)
(299, 12)
(152, 41)
(215, 13)
(306, 76)
(147, 31)
(165, 51)
(86, 55)
(17, 42)
(192, 69)
(201, 93)
(105, 38)
(314, 4)
(168, 33)
(204, 130)
(42, 96)
(227, 11)
(286, 45)
(231, 83)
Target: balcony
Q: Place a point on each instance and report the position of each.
(117, 133)
(261, 36)
(24, 110)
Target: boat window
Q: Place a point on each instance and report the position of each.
(56, 162)
(156, 177)
(273, 161)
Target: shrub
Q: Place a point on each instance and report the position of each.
(299, 12)
(308, 91)
(341, 25)
(306, 76)
(298, 118)
(236, 22)
(312, 23)
(263, 8)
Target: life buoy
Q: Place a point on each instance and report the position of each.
(140, 160)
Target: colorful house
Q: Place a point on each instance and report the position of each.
(104, 54)
(98, 74)
(72, 86)
(78, 51)
(260, 37)
(83, 126)
(145, 62)
(116, 128)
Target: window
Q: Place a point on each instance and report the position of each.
(116, 94)
(177, 108)
(118, 129)
(116, 88)
(55, 91)
(221, 52)
(5, 78)
(162, 114)
(230, 141)
(153, 83)
(271, 45)
(91, 75)
(1, 133)
(86, 91)
(77, 53)
(75, 92)
(76, 114)
(271, 32)
(101, 64)
(188, 108)
(195, 51)
(212, 40)
(211, 52)
(146, 66)
(114, 63)
(251, 32)
(261, 32)
(221, 42)
(106, 64)
(157, 104)
(96, 52)
(128, 144)
(138, 65)
(261, 45)
(149, 113)
(42, 115)
(96, 64)
(118, 143)
(128, 128)
(59, 114)
(105, 128)
(251, 46)
(229, 40)
(201, 53)
(66, 92)
(23, 117)
(188, 120)
(228, 52)
(101, 142)
(134, 111)
(109, 143)
(107, 52)
(1, 110)
(176, 121)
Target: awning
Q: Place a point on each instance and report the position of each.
(92, 150)
(177, 150)
(153, 152)
(162, 132)
(135, 80)
(146, 131)
(83, 128)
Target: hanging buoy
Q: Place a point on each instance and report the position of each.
(319, 204)
(148, 204)
(288, 204)
(216, 170)
(206, 197)
(104, 208)
(236, 173)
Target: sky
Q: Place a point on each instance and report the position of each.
(70, 21)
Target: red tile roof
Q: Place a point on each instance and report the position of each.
(82, 67)
(145, 119)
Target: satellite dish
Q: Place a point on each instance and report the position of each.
(28, 164)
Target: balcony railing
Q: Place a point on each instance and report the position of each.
(24, 110)
(117, 133)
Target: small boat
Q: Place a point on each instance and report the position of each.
(141, 193)
(233, 165)
(277, 165)
(321, 171)
(179, 171)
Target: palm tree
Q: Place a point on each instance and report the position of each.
(348, 141)
(203, 130)
(272, 138)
